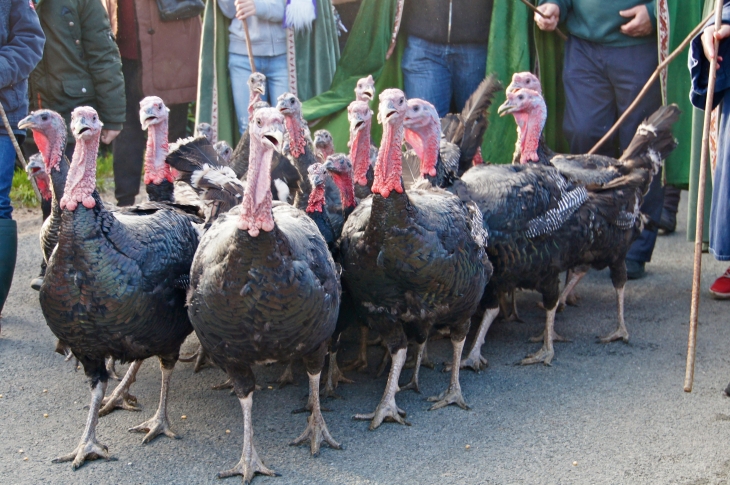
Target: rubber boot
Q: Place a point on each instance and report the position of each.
(8, 252)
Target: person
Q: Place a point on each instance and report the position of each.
(156, 61)
(609, 56)
(268, 44)
(702, 50)
(80, 65)
(445, 57)
(21, 47)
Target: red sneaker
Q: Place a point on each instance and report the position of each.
(720, 289)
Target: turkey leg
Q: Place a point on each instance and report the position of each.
(452, 395)
(621, 332)
(546, 353)
(120, 398)
(316, 431)
(89, 448)
(361, 362)
(334, 377)
(158, 424)
(287, 377)
(475, 360)
(249, 464)
(387, 409)
(413, 384)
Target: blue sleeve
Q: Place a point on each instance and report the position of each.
(699, 66)
(24, 48)
(228, 7)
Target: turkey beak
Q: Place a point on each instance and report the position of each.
(506, 108)
(259, 88)
(386, 110)
(275, 137)
(369, 93)
(329, 166)
(27, 123)
(146, 118)
(356, 124)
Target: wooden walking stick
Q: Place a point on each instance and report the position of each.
(655, 75)
(19, 153)
(248, 46)
(699, 227)
(534, 9)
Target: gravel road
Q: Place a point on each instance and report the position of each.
(601, 414)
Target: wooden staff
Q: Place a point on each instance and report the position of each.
(535, 9)
(699, 227)
(248, 46)
(655, 75)
(18, 152)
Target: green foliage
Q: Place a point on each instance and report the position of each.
(23, 195)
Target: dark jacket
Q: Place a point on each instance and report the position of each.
(429, 20)
(699, 66)
(21, 47)
(81, 65)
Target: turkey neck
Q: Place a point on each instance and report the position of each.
(316, 200)
(529, 133)
(253, 98)
(389, 167)
(52, 148)
(81, 180)
(425, 140)
(303, 157)
(156, 169)
(347, 193)
(256, 204)
(360, 153)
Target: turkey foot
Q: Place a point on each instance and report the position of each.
(250, 463)
(334, 377)
(89, 448)
(546, 353)
(287, 377)
(387, 409)
(413, 384)
(475, 360)
(316, 431)
(425, 361)
(360, 364)
(509, 308)
(453, 394)
(120, 398)
(200, 357)
(111, 370)
(158, 424)
(621, 333)
(541, 337)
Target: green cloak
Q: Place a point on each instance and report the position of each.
(317, 52)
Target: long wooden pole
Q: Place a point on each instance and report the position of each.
(649, 83)
(699, 227)
(18, 152)
(248, 46)
(534, 9)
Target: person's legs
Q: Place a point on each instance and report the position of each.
(277, 77)
(128, 147)
(720, 211)
(178, 122)
(426, 73)
(589, 99)
(468, 66)
(668, 220)
(629, 69)
(8, 227)
(240, 70)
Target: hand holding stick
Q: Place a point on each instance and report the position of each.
(537, 11)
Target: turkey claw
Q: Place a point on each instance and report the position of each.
(384, 412)
(317, 433)
(122, 400)
(89, 450)
(619, 334)
(450, 396)
(155, 426)
(542, 355)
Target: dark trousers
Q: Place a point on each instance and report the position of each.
(129, 146)
(600, 83)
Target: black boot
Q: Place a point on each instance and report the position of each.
(8, 251)
(36, 282)
(668, 222)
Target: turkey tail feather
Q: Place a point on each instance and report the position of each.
(653, 141)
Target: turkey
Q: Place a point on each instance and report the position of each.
(324, 145)
(114, 284)
(206, 130)
(363, 153)
(365, 89)
(264, 288)
(412, 260)
(224, 150)
(37, 173)
(540, 224)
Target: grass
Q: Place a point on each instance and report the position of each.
(22, 194)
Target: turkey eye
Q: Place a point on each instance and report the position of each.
(94, 118)
(258, 122)
(44, 117)
(401, 101)
(415, 109)
(520, 97)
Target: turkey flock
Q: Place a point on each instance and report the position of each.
(270, 251)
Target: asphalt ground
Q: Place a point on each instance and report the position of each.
(600, 414)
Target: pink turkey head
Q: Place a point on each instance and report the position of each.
(365, 89)
(389, 168)
(317, 176)
(257, 84)
(81, 180)
(339, 167)
(360, 116)
(528, 108)
(323, 144)
(49, 133)
(423, 132)
(152, 111)
(524, 80)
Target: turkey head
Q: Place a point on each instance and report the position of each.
(267, 134)
(528, 108)
(81, 181)
(49, 133)
(290, 106)
(154, 116)
(423, 133)
(388, 169)
(365, 89)
(524, 80)
(360, 116)
(340, 169)
(324, 146)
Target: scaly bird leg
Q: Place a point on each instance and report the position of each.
(475, 360)
(334, 377)
(200, 356)
(158, 424)
(287, 377)
(621, 332)
(249, 464)
(111, 370)
(89, 448)
(425, 361)
(413, 384)
(316, 431)
(120, 398)
(387, 409)
(546, 353)
(452, 395)
(384, 361)
(360, 364)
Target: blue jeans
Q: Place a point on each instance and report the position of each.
(440, 73)
(720, 211)
(600, 83)
(7, 167)
(277, 81)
